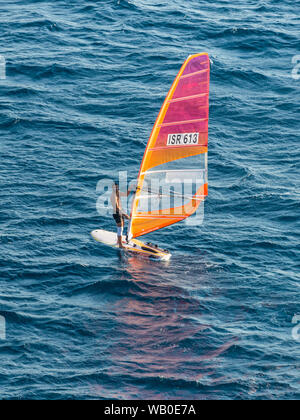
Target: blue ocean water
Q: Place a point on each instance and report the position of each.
(84, 83)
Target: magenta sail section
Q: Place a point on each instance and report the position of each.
(197, 64)
(188, 108)
(192, 85)
(200, 127)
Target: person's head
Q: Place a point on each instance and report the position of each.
(115, 186)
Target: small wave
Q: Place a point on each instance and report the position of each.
(115, 287)
(40, 23)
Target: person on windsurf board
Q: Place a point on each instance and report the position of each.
(180, 134)
(119, 215)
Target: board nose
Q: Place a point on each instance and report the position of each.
(94, 233)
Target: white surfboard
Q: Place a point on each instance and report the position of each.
(134, 245)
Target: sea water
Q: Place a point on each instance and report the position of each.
(81, 85)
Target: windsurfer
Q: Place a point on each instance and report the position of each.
(119, 215)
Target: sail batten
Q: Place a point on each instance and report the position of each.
(179, 136)
(193, 74)
(186, 98)
(170, 170)
(182, 122)
(199, 148)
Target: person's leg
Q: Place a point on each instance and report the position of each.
(118, 221)
(127, 226)
(119, 233)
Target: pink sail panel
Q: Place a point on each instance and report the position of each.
(196, 126)
(187, 109)
(200, 62)
(188, 85)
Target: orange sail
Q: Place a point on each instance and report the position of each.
(172, 181)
